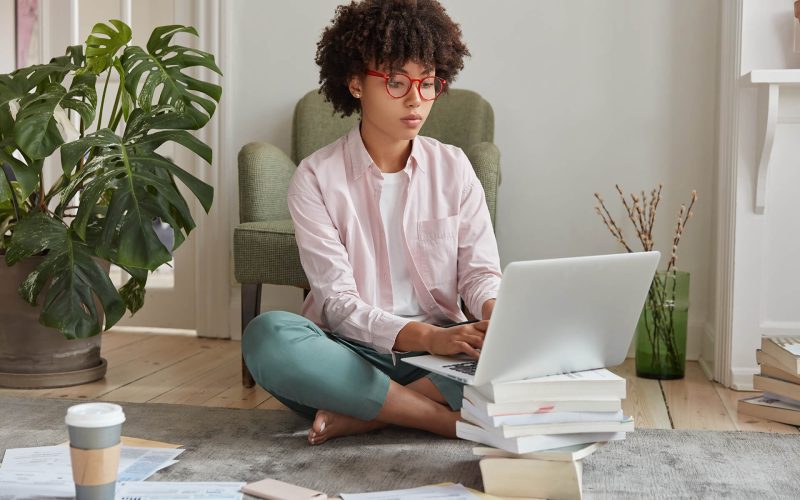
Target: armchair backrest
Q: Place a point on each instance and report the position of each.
(459, 117)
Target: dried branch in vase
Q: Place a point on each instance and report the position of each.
(664, 348)
(641, 211)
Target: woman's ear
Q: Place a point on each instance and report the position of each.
(354, 86)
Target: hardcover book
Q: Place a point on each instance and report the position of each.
(770, 409)
(772, 368)
(785, 350)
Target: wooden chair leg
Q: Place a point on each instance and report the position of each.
(251, 305)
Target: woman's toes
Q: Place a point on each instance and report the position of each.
(320, 422)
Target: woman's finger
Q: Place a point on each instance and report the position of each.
(475, 341)
(481, 326)
(468, 350)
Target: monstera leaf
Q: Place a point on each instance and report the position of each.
(141, 188)
(27, 175)
(161, 68)
(40, 115)
(104, 43)
(75, 279)
(19, 83)
(114, 186)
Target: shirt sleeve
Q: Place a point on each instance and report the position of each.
(478, 259)
(330, 274)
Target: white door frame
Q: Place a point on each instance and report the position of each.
(726, 173)
(214, 233)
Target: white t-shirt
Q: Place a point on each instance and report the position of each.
(392, 195)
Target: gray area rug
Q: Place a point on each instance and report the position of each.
(248, 445)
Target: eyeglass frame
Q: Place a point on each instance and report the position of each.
(386, 77)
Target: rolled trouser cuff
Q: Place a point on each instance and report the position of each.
(452, 391)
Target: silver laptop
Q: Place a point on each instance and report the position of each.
(556, 316)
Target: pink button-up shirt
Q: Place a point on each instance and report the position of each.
(334, 200)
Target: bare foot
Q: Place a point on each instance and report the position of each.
(328, 425)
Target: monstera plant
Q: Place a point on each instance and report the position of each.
(113, 183)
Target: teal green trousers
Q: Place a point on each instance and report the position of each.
(308, 369)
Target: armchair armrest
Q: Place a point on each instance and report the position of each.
(264, 175)
(485, 159)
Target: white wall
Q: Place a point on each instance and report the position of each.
(766, 288)
(7, 42)
(586, 94)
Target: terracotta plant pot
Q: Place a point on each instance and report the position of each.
(33, 355)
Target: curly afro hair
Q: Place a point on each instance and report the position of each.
(388, 33)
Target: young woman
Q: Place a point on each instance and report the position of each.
(393, 229)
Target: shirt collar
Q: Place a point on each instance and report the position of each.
(360, 159)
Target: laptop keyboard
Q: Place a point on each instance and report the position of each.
(467, 367)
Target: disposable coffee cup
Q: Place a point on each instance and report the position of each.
(94, 442)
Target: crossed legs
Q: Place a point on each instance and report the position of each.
(342, 386)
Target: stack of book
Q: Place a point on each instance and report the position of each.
(779, 379)
(542, 428)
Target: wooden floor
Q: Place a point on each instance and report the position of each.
(146, 368)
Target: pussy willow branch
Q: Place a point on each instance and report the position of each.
(683, 217)
(610, 224)
(641, 212)
(659, 325)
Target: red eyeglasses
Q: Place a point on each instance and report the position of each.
(398, 85)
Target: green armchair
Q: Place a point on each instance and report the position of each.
(264, 247)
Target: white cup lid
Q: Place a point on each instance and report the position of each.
(94, 415)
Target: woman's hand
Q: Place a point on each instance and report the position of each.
(466, 339)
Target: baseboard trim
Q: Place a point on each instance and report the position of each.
(157, 331)
(707, 367)
(742, 378)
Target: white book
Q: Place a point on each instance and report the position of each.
(528, 444)
(487, 407)
(590, 384)
(510, 431)
(565, 454)
(541, 418)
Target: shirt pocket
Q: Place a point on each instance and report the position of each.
(437, 242)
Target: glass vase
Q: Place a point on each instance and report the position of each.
(661, 331)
